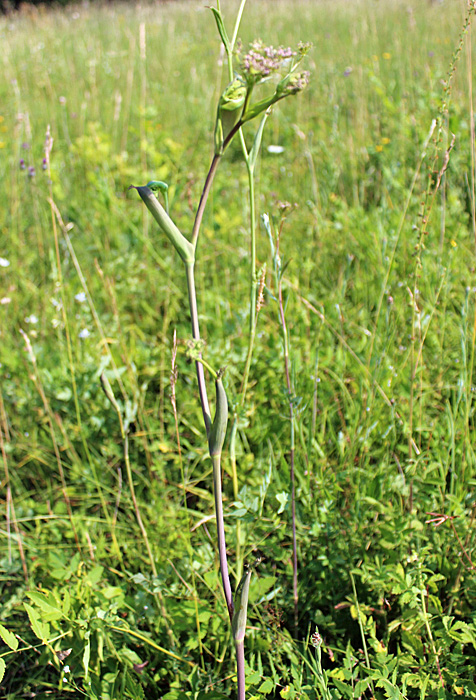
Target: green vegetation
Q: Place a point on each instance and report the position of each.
(362, 365)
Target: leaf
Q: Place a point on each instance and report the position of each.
(221, 29)
(40, 629)
(86, 657)
(9, 638)
(282, 498)
(66, 602)
(95, 575)
(47, 603)
(266, 686)
(2, 669)
(255, 149)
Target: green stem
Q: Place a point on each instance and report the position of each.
(240, 668)
(202, 386)
(217, 487)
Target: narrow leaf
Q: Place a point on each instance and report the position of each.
(221, 29)
(2, 669)
(183, 246)
(255, 149)
(86, 657)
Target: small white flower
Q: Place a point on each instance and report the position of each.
(84, 333)
(5, 300)
(55, 322)
(4, 262)
(80, 297)
(31, 319)
(275, 149)
(66, 669)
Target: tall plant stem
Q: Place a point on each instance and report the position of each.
(216, 461)
(292, 446)
(246, 372)
(251, 340)
(204, 197)
(202, 386)
(240, 666)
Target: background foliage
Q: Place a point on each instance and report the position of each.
(380, 299)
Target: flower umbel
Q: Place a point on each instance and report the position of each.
(262, 61)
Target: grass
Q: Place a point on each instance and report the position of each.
(379, 305)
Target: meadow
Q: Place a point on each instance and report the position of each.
(360, 382)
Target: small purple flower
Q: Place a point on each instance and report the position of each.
(22, 164)
(431, 54)
(347, 72)
(31, 171)
(44, 164)
(25, 146)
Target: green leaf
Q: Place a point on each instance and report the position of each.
(266, 686)
(2, 669)
(221, 29)
(86, 657)
(47, 603)
(283, 498)
(9, 638)
(255, 149)
(40, 629)
(95, 575)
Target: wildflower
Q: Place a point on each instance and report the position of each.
(293, 83)
(2, 144)
(386, 56)
(5, 300)
(385, 141)
(31, 171)
(84, 333)
(44, 164)
(347, 71)
(316, 639)
(22, 164)
(62, 100)
(66, 669)
(379, 148)
(275, 149)
(25, 146)
(262, 61)
(4, 262)
(31, 319)
(80, 297)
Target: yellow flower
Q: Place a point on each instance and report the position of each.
(386, 56)
(385, 141)
(2, 144)
(453, 243)
(374, 58)
(379, 148)
(2, 119)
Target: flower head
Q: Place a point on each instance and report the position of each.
(262, 61)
